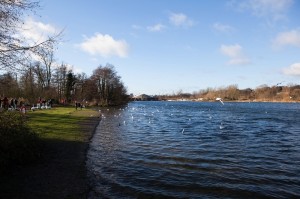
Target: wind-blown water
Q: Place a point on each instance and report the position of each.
(197, 150)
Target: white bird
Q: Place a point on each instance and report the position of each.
(222, 126)
(220, 99)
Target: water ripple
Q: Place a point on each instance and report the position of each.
(196, 150)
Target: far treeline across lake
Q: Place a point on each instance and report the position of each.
(263, 93)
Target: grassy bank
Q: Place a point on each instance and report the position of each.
(59, 171)
(60, 123)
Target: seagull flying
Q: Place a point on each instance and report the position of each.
(219, 99)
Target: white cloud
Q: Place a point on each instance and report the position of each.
(179, 19)
(274, 9)
(136, 27)
(223, 28)
(105, 46)
(293, 70)
(290, 38)
(35, 31)
(156, 28)
(235, 53)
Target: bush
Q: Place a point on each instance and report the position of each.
(19, 145)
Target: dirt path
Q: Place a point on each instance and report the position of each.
(61, 173)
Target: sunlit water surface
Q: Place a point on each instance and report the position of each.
(196, 150)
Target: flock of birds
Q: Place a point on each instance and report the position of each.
(133, 110)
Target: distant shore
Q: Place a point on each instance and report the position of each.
(231, 93)
(238, 101)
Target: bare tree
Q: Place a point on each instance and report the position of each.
(60, 79)
(28, 84)
(14, 50)
(110, 88)
(79, 87)
(46, 56)
(232, 92)
(41, 75)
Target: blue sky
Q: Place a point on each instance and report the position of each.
(166, 46)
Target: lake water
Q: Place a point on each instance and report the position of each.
(196, 150)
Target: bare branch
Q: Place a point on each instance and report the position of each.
(15, 52)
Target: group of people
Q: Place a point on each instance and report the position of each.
(11, 104)
(44, 103)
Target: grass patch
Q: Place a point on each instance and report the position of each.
(60, 123)
(21, 136)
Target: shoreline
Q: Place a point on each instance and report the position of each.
(60, 173)
(90, 127)
(231, 101)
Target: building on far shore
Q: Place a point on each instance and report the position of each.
(144, 97)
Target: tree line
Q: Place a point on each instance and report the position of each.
(104, 87)
(233, 93)
(29, 71)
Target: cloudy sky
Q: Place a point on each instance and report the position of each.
(164, 46)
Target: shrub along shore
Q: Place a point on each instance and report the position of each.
(52, 164)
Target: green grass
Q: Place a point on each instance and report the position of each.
(20, 137)
(59, 123)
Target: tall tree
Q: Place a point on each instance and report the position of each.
(110, 89)
(60, 79)
(28, 85)
(39, 70)
(46, 56)
(79, 86)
